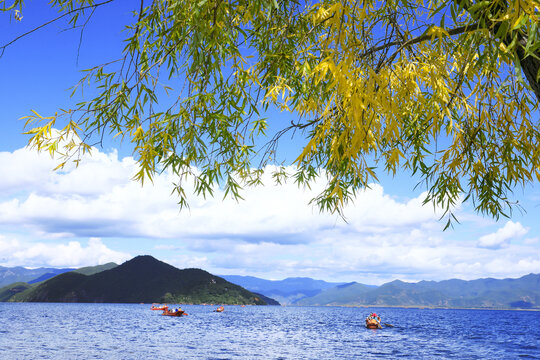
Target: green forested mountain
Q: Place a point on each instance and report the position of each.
(482, 293)
(267, 300)
(145, 279)
(9, 291)
(142, 279)
(19, 289)
(91, 270)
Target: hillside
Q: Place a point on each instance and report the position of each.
(7, 292)
(20, 289)
(523, 293)
(287, 291)
(142, 279)
(339, 295)
(20, 274)
(91, 270)
(267, 300)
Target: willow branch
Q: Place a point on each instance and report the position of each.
(3, 47)
(416, 40)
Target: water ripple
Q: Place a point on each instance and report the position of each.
(129, 331)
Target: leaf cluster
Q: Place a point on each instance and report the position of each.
(434, 87)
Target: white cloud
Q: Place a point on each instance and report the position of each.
(531, 241)
(71, 254)
(274, 233)
(18, 175)
(99, 199)
(503, 236)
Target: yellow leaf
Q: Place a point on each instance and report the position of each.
(517, 23)
(39, 116)
(61, 165)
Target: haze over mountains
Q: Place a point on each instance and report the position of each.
(287, 291)
(10, 275)
(521, 293)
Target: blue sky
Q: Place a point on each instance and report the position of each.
(95, 213)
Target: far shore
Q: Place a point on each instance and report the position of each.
(421, 307)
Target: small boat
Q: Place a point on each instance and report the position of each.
(373, 321)
(175, 312)
(373, 324)
(158, 307)
(220, 309)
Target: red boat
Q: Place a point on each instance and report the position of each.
(220, 309)
(175, 312)
(373, 324)
(158, 307)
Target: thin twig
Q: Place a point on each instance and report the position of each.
(3, 47)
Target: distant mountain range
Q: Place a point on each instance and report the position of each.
(144, 278)
(10, 275)
(288, 291)
(522, 293)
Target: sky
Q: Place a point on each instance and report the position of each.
(95, 213)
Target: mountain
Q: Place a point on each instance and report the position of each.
(339, 295)
(7, 292)
(287, 291)
(145, 279)
(521, 293)
(141, 279)
(10, 275)
(31, 276)
(91, 270)
(267, 300)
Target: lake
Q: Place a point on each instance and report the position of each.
(133, 331)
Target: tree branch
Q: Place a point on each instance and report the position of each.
(3, 47)
(416, 40)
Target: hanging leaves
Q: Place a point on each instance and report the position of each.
(431, 87)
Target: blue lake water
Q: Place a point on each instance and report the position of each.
(133, 331)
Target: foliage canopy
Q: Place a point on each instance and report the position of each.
(447, 90)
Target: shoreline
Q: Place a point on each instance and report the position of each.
(418, 307)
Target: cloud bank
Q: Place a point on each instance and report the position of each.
(68, 254)
(46, 218)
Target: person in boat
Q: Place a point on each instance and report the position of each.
(374, 316)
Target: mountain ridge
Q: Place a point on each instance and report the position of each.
(509, 293)
(141, 279)
(287, 291)
(10, 275)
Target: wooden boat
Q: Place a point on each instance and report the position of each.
(158, 307)
(220, 309)
(373, 324)
(178, 312)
